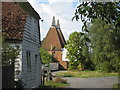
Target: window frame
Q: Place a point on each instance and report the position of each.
(28, 58)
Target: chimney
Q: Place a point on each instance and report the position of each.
(53, 22)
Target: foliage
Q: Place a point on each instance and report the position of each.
(116, 86)
(85, 74)
(105, 47)
(77, 47)
(45, 56)
(19, 84)
(89, 11)
(9, 53)
(104, 33)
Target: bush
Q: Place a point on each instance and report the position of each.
(116, 87)
(9, 53)
(72, 66)
(59, 80)
(19, 84)
(45, 56)
(106, 67)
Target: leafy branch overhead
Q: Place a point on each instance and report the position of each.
(89, 11)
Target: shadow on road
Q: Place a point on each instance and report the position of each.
(74, 89)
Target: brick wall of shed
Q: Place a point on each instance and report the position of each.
(58, 57)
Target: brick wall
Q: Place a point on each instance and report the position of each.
(58, 57)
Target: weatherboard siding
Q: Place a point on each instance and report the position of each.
(31, 32)
(31, 76)
(19, 28)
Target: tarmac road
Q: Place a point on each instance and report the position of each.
(94, 82)
(97, 82)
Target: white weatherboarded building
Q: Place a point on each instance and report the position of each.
(64, 54)
(24, 32)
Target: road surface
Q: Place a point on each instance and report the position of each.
(94, 82)
(97, 82)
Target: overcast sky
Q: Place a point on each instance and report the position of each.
(62, 10)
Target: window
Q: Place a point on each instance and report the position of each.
(28, 56)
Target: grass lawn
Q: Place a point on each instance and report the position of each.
(85, 74)
(116, 87)
(53, 84)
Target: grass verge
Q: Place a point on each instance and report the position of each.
(53, 84)
(85, 74)
(116, 87)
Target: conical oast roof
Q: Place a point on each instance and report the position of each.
(54, 38)
(60, 32)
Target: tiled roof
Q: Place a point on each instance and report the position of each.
(54, 39)
(62, 37)
(14, 19)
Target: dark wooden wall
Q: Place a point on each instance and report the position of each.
(8, 76)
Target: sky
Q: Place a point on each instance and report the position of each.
(63, 10)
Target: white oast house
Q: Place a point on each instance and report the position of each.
(24, 32)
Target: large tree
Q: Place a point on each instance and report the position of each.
(105, 46)
(76, 54)
(105, 35)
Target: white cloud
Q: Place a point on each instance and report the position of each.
(64, 11)
(53, 1)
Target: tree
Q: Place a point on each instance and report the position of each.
(45, 56)
(107, 11)
(105, 47)
(75, 44)
(105, 35)
(9, 53)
